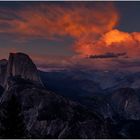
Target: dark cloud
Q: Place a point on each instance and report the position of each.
(107, 55)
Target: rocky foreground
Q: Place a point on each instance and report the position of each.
(44, 114)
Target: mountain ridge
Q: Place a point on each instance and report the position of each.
(46, 114)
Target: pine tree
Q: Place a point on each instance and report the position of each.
(13, 122)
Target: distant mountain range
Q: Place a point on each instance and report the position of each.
(113, 94)
(105, 80)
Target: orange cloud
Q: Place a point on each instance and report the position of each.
(136, 36)
(114, 41)
(116, 36)
(49, 20)
(91, 26)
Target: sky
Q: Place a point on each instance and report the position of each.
(98, 35)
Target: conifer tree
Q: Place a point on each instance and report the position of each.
(13, 121)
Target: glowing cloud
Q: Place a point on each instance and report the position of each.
(81, 21)
(114, 41)
(92, 26)
(116, 36)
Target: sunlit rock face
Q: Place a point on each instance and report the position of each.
(20, 64)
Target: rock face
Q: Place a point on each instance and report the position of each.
(18, 64)
(125, 108)
(3, 68)
(48, 115)
(123, 103)
(21, 64)
(126, 103)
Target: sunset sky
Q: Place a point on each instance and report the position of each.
(58, 34)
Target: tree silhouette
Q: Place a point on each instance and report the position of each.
(13, 121)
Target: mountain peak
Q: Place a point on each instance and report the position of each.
(20, 64)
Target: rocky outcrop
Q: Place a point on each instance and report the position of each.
(20, 64)
(48, 115)
(123, 103)
(126, 103)
(122, 111)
